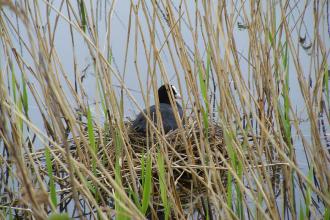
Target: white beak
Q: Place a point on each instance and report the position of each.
(178, 96)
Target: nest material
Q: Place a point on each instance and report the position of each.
(190, 154)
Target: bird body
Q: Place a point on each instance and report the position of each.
(165, 109)
(167, 116)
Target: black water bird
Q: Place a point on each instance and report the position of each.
(166, 111)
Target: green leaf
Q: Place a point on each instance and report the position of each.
(143, 170)
(202, 84)
(49, 166)
(270, 38)
(231, 153)
(25, 97)
(326, 213)
(301, 212)
(309, 191)
(239, 197)
(59, 216)
(20, 120)
(91, 138)
(208, 66)
(147, 186)
(13, 81)
(162, 184)
(82, 11)
(205, 111)
(118, 199)
(135, 197)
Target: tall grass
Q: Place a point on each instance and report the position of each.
(256, 70)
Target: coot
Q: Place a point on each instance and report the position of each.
(165, 109)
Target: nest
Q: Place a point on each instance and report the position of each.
(195, 160)
(190, 154)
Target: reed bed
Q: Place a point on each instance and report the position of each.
(255, 80)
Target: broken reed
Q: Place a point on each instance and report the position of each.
(253, 106)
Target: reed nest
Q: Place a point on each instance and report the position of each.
(191, 155)
(188, 154)
(185, 159)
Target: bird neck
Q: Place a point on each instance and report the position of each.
(165, 101)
